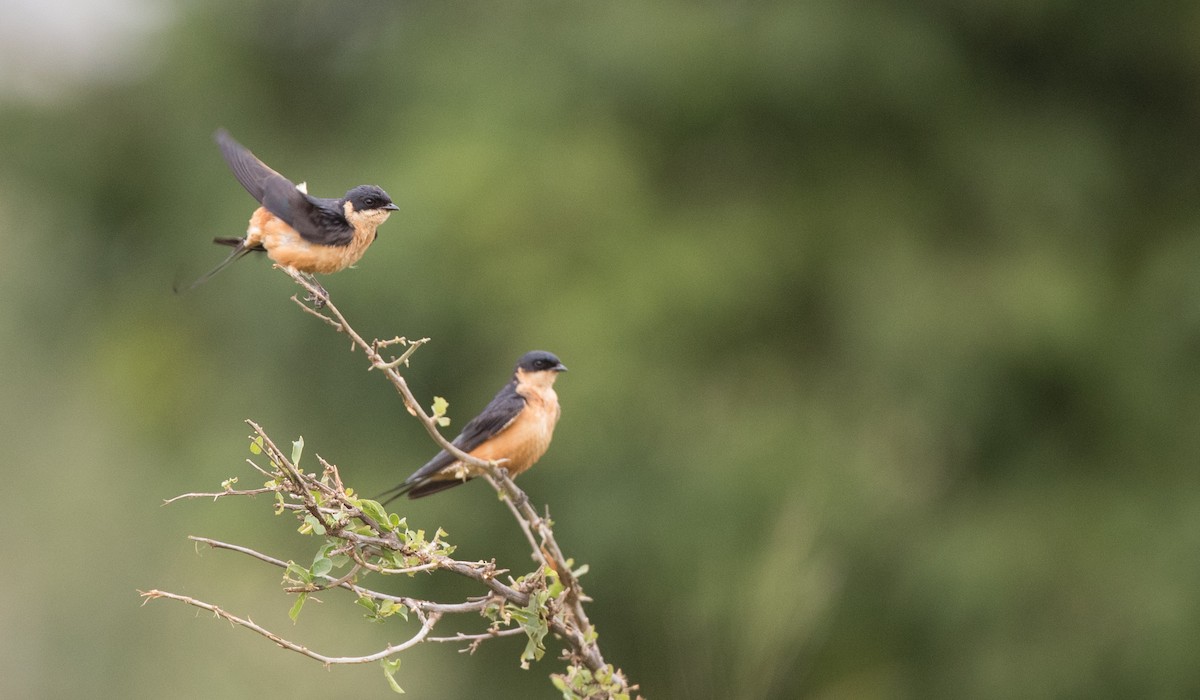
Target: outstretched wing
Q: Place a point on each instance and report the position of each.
(316, 220)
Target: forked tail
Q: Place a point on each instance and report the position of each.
(240, 250)
(418, 488)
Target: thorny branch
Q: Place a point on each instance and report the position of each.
(361, 534)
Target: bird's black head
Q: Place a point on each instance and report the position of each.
(540, 361)
(367, 197)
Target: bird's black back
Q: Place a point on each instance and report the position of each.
(501, 411)
(316, 219)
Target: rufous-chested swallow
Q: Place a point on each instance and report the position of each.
(515, 429)
(313, 235)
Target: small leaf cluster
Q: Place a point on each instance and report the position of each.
(336, 513)
(580, 683)
(380, 610)
(359, 537)
(438, 410)
(390, 666)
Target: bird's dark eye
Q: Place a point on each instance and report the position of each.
(369, 202)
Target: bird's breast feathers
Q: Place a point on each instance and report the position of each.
(527, 438)
(285, 246)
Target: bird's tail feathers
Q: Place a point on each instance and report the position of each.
(240, 250)
(431, 487)
(419, 488)
(395, 492)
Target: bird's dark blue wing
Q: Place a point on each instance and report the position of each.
(322, 221)
(316, 220)
(254, 174)
(497, 416)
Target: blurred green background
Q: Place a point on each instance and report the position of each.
(883, 323)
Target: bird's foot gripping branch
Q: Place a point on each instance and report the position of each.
(357, 539)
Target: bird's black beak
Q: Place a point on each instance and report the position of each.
(391, 207)
(560, 367)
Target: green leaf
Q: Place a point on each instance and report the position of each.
(228, 483)
(440, 405)
(312, 523)
(322, 566)
(389, 671)
(535, 626)
(295, 611)
(439, 411)
(297, 450)
(533, 651)
(554, 585)
(295, 572)
(375, 511)
(256, 445)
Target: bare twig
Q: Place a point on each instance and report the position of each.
(398, 381)
(525, 526)
(460, 637)
(392, 649)
(403, 359)
(217, 494)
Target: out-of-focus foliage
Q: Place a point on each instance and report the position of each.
(883, 322)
